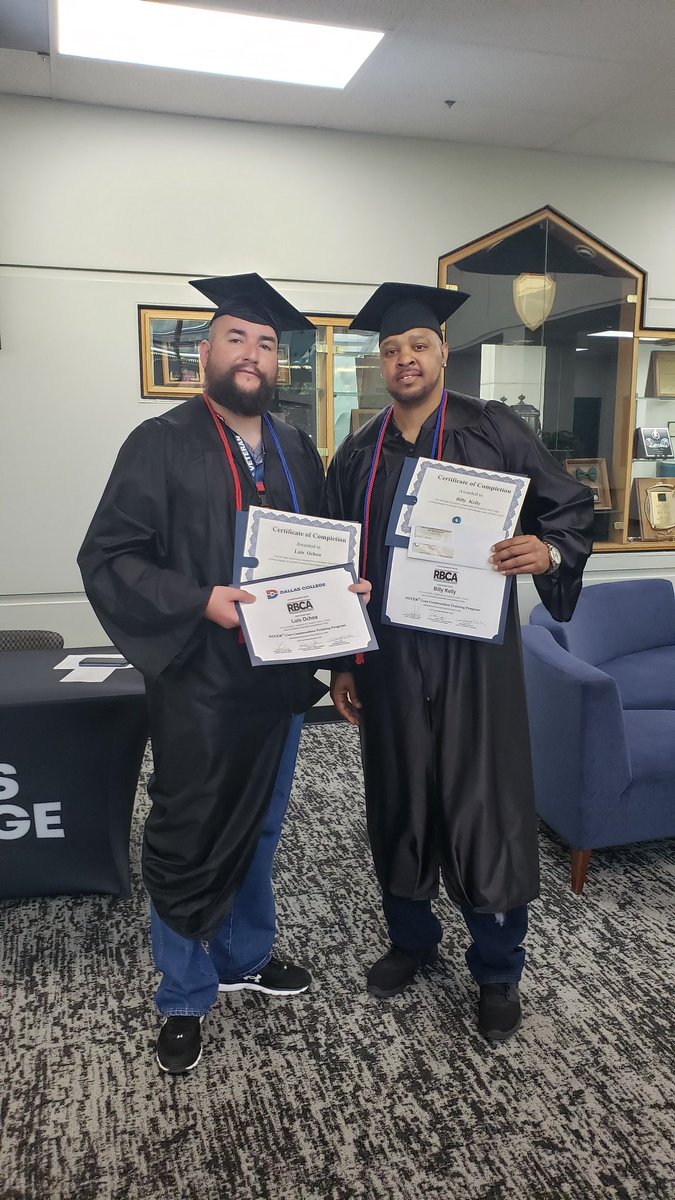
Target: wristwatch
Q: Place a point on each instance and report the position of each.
(554, 558)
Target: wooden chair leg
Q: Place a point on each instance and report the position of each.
(580, 861)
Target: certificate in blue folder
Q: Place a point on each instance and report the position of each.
(445, 518)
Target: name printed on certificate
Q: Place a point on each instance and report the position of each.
(308, 616)
(445, 519)
(441, 598)
(269, 542)
(449, 511)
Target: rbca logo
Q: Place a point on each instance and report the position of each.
(299, 606)
(271, 593)
(445, 576)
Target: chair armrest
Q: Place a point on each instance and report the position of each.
(579, 751)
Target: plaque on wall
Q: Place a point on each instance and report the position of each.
(653, 442)
(655, 502)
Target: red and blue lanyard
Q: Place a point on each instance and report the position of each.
(375, 466)
(437, 446)
(260, 486)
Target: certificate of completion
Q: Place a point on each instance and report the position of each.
(444, 521)
(269, 543)
(306, 616)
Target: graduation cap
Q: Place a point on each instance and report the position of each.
(396, 307)
(251, 298)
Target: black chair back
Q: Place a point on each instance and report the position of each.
(30, 639)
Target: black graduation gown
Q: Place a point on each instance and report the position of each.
(161, 538)
(444, 731)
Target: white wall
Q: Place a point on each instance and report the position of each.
(104, 209)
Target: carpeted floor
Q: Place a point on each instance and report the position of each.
(334, 1095)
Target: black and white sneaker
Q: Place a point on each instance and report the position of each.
(275, 979)
(179, 1045)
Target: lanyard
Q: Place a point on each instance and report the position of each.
(251, 463)
(247, 457)
(375, 466)
(256, 469)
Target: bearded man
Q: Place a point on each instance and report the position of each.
(157, 567)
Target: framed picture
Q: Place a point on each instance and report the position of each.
(653, 442)
(169, 351)
(661, 373)
(655, 503)
(593, 473)
(359, 417)
(284, 369)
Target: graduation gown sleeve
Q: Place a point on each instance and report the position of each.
(556, 509)
(148, 608)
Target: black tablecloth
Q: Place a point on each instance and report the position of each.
(70, 755)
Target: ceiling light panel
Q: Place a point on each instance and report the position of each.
(213, 42)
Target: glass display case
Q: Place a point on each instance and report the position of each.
(652, 503)
(552, 328)
(300, 394)
(333, 382)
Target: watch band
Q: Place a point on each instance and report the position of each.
(554, 558)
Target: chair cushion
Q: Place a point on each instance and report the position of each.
(613, 619)
(645, 679)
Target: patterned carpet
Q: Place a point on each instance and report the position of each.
(334, 1095)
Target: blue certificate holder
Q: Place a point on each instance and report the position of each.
(318, 541)
(447, 579)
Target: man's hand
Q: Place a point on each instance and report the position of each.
(362, 588)
(344, 697)
(523, 555)
(220, 608)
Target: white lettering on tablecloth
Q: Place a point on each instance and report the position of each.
(15, 821)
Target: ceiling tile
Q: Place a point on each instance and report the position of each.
(489, 76)
(622, 31)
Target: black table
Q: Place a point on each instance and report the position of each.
(70, 756)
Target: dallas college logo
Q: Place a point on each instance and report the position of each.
(15, 821)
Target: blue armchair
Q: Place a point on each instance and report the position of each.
(601, 701)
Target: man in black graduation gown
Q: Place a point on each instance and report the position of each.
(444, 729)
(157, 567)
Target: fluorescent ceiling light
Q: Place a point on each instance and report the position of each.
(615, 333)
(214, 42)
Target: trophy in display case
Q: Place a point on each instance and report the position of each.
(653, 443)
(527, 413)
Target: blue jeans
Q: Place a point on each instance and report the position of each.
(496, 954)
(191, 969)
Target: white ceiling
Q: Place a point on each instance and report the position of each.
(590, 77)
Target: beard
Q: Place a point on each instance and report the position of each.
(408, 400)
(226, 392)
